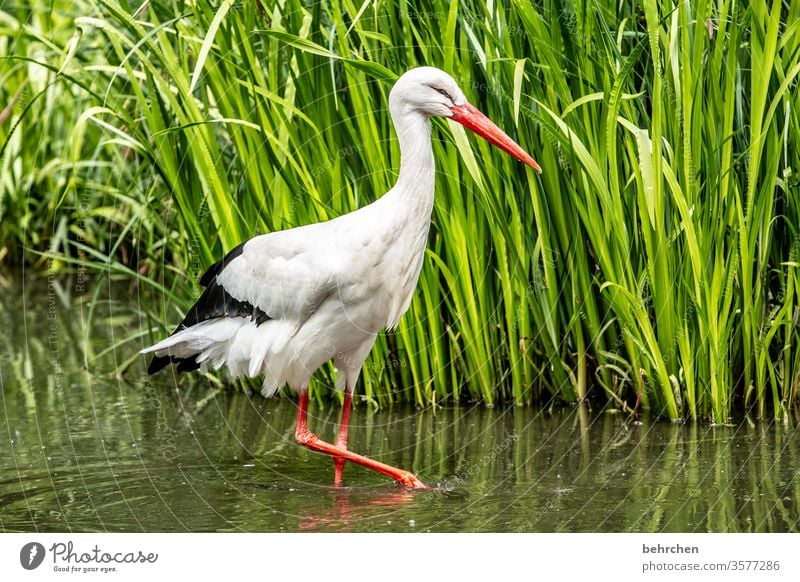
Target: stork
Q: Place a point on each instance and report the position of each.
(282, 304)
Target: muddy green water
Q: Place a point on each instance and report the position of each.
(82, 449)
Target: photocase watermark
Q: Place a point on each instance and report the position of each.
(31, 555)
(532, 521)
(52, 330)
(84, 212)
(66, 558)
(464, 19)
(195, 259)
(462, 477)
(316, 172)
(168, 448)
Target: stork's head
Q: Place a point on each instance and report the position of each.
(432, 92)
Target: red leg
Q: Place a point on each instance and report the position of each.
(341, 441)
(309, 440)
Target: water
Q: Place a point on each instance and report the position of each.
(83, 449)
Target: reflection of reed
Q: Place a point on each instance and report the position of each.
(574, 471)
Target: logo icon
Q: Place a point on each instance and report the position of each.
(31, 555)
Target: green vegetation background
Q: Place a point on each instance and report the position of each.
(653, 264)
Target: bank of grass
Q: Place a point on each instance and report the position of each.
(653, 264)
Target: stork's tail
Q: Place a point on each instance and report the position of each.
(248, 349)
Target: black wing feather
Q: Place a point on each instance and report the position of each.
(217, 267)
(213, 303)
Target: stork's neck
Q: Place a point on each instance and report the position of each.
(415, 184)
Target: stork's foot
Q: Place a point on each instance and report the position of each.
(308, 439)
(405, 478)
(340, 456)
(411, 481)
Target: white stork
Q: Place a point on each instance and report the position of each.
(284, 303)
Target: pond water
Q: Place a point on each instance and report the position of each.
(86, 450)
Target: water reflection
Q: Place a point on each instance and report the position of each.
(82, 449)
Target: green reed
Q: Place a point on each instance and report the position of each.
(653, 264)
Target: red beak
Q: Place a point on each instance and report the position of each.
(476, 121)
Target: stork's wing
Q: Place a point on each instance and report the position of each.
(216, 301)
(282, 275)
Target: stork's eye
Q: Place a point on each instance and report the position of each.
(443, 92)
